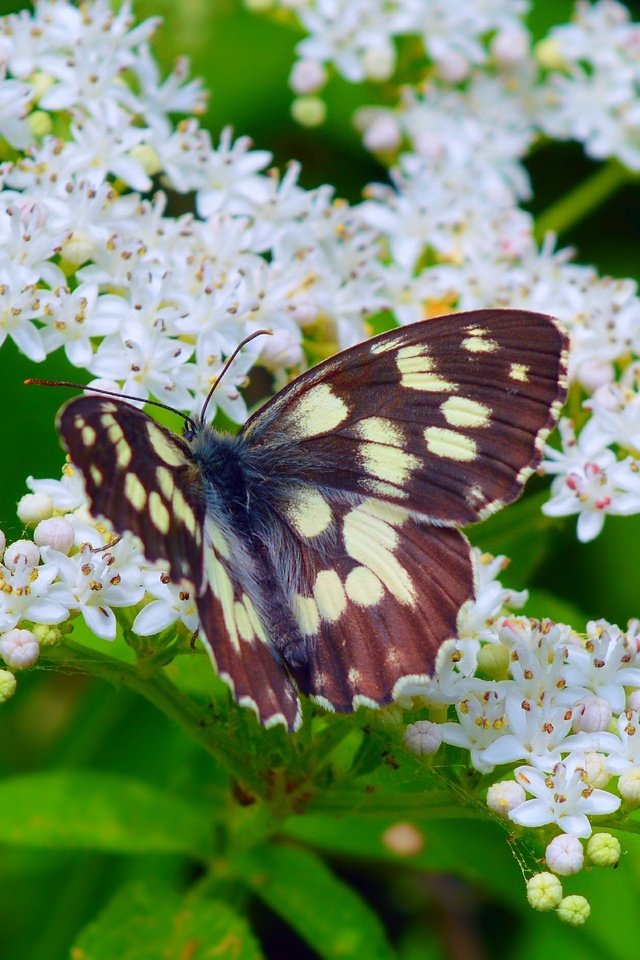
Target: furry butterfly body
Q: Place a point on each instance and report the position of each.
(322, 540)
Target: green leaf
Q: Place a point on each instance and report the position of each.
(322, 909)
(147, 922)
(100, 811)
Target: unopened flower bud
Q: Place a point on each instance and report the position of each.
(309, 111)
(510, 47)
(596, 771)
(33, 507)
(544, 891)
(505, 796)
(453, 67)
(564, 855)
(603, 850)
(21, 552)
(423, 737)
(56, 532)
(307, 76)
(574, 910)
(19, 648)
(629, 786)
(493, 660)
(7, 685)
(46, 635)
(379, 63)
(592, 715)
(383, 134)
(549, 55)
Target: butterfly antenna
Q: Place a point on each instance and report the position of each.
(33, 381)
(228, 362)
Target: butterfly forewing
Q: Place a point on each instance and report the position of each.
(141, 477)
(445, 417)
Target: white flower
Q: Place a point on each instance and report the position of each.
(477, 618)
(625, 753)
(536, 734)
(99, 578)
(170, 603)
(29, 593)
(590, 481)
(607, 663)
(563, 797)
(64, 495)
(481, 719)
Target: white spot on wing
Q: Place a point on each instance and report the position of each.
(450, 444)
(462, 412)
(309, 513)
(329, 595)
(317, 411)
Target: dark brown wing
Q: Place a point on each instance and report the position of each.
(141, 477)
(446, 417)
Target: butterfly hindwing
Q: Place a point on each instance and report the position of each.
(376, 607)
(446, 417)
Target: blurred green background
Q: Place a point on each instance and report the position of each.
(65, 722)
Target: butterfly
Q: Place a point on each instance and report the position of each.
(322, 541)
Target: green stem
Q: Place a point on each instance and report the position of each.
(164, 695)
(582, 200)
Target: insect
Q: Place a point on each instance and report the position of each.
(322, 541)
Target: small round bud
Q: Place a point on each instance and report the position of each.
(3, 542)
(544, 891)
(549, 55)
(309, 111)
(47, 636)
(505, 796)
(592, 715)
(56, 532)
(383, 134)
(574, 910)
(379, 63)
(307, 76)
(19, 648)
(629, 786)
(33, 507)
(423, 737)
(403, 839)
(603, 850)
(281, 350)
(21, 553)
(510, 47)
(493, 660)
(453, 67)
(147, 157)
(7, 685)
(78, 248)
(564, 855)
(633, 700)
(594, 374)
(597, 774)
(40, 123)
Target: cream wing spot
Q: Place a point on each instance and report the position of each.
(182, 510)
(217, 539)
(319, 410)
(480, 345)
(165, 482)
(371, 541)
(158, 512)
(387, 463)
(307, 615)
(329, 595)
(223, 590)
(462, 412)
(134, 491)
(254, 620)
(309, 513)
(450, 444)
(242, 622)
(418, 371)
(96, 475)
(380, 430)
(383, 489)
(386, 346)
(363, 587)
(88, 435)
(163, 448)
(519, 372)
